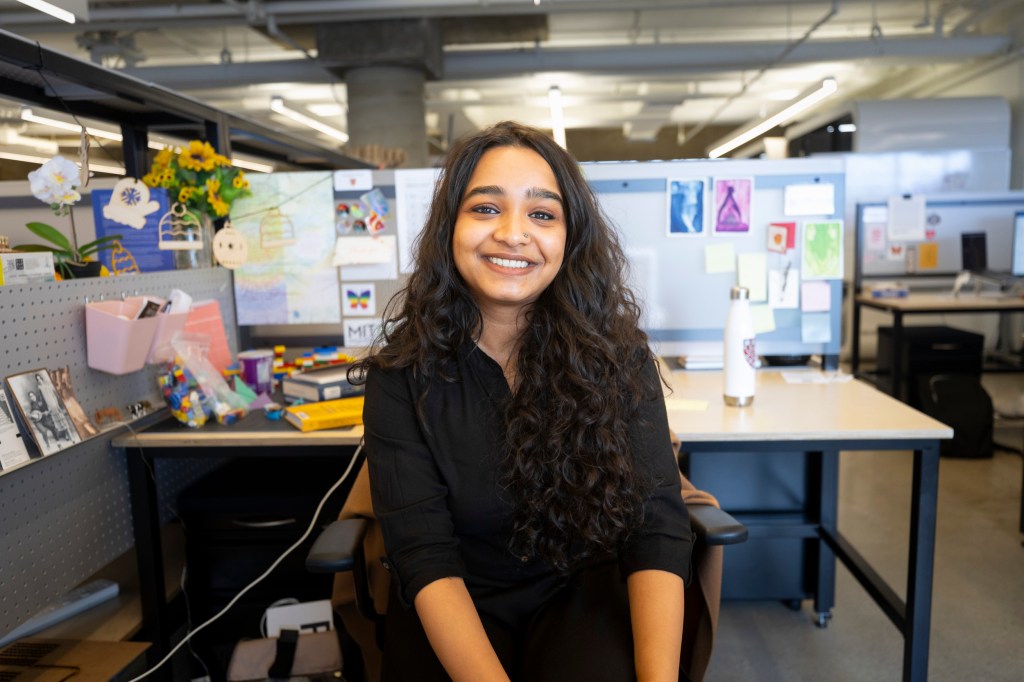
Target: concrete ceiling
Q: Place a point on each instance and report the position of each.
(636, 67)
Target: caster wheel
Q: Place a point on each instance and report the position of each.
(822, 619)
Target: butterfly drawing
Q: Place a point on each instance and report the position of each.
(358, 300)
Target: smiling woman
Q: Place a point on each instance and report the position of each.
(517, 440)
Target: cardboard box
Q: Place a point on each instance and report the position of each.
(26, 267)
(315, 385)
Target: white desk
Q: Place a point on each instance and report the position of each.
(822, 420)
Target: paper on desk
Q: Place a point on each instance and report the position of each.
(816, 377)
(719, 258)
(685, 405)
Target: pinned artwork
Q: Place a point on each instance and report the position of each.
(130, 203)
(45, 414)
(12, 446)
(122, 261)
(359, 299)
(781, 237)
(686, 207)
(928, 256)
(823, 250)
(180, 230)
(230, 248)
(784, 288)
(352, 180)
(276, 230)
(732, 205)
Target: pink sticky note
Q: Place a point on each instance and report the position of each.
(815, 297)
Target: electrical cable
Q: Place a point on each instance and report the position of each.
(312, 524)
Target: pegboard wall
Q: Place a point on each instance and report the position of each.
(66, 515)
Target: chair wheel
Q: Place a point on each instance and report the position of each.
(822, 619)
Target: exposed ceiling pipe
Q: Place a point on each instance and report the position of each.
(308, 11)
(786, 52)
(980, 14)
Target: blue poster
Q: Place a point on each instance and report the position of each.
(142, 244)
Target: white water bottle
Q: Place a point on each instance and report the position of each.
(740, 354)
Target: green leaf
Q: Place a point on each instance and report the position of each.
(36, 248)
(100, 244)
(50, 234)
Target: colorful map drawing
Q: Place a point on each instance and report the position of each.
(288, 283)
(823, 250)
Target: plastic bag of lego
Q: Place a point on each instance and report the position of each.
(193, 388)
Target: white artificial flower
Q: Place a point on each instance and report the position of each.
(54, 182)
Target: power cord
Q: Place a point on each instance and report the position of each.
(312, 524)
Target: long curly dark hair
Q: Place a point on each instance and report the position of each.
(568, 466)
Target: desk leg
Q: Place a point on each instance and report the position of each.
(827, 512)
(897, 355)
(923, 503)
(150, 556)
(855, 340)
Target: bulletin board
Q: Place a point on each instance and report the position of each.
(684, 303)
(938, 254)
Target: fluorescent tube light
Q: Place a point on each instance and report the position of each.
(557, 121)
(827, 87)
(277, 104)
(30, 158)
(252, 165)
(28, 115)
(847, 127)
(51, 9)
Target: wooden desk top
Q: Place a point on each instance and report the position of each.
(253, 431)
(965, 302)
(847, 411)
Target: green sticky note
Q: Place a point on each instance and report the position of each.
(719, 258)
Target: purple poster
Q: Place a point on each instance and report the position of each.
(732, 205)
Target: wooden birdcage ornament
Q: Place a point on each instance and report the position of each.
(276, 230)
(180, 230)
(122, 262)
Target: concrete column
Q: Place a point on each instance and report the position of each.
(386, 107)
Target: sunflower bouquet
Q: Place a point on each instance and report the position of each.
(199, 178)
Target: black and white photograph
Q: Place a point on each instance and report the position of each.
(12, 447)
(62, 382)
(51, 426)
(686, 207)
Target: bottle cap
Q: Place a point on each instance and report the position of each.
(739, 293)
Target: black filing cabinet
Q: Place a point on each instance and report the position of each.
(926, 351)
(237, 521)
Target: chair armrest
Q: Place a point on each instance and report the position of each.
(714, 526)
(336, 548)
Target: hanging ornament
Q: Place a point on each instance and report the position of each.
(122, 262)
(130, 203)
(180, 230)
(83, 157)
(276, 230)
(229, 247)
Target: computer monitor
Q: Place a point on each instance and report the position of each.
(1017, 268)
(974, 251)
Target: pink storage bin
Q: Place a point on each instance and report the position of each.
(116, 343)
(167, 325)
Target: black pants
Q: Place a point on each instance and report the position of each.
(582, 632)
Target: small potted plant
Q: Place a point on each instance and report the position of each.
(56, 183)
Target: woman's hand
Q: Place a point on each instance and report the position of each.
(456, 634)
(656, 613)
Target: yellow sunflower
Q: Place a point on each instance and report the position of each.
(220, 207)
(163, 158)
(151, 179)
(185, 194)
(198, 156)
(240, 181)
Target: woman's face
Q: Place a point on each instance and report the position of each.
(510, 229)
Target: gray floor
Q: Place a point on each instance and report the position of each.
(978, 604)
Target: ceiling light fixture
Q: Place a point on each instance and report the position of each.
(30, 116)
(277, 105)
(31, 158)
(51, 9)
(806, 101)
(252, 165)
(557, 121)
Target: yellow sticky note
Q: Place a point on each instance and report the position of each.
(752, 273)
(719, 258)
(764, 318)
(928, 256)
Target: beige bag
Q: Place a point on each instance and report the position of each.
(290, 655)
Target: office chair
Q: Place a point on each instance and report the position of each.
(361, 585)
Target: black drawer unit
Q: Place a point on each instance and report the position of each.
(237, 521)
(926, 351)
